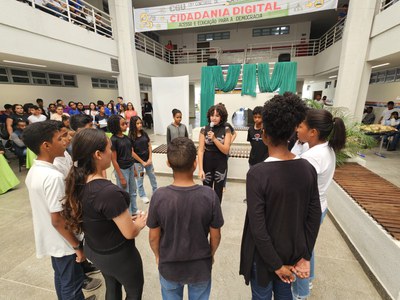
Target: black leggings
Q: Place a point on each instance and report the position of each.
(121, 268)
(215, 168)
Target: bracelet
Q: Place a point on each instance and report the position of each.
(79, 247)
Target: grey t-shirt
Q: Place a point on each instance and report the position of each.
(176, 131)
(185, 215)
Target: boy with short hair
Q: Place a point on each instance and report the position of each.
(181, 216)
(46, 189)
(259, 151)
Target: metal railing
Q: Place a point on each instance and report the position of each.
(253, 53)
(181, 56)
(77, 12)
(386, 3)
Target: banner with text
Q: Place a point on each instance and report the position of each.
(217, 12)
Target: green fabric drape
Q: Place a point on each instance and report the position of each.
(284, 77)
(207, 93)
(231, 78)
(249, 80)
(211, 77)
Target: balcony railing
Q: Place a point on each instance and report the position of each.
(386, 3)
(181, 56)
(77, 12)
(253, 53)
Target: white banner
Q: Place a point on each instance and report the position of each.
(217, 12)
(169, 93)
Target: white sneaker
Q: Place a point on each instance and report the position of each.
(145, 200)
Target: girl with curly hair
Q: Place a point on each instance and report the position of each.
(214, 144)
(283, 207)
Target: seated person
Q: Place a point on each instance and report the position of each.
(36, 115)
(369, 117)
(16, 138)
(393, 139)
(8, 180)
(101, 119)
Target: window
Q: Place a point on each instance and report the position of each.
(19, 76)
(276, 30)
(374, 78)
(397, 75)
(3, 75)
(213, 36)
(104, 83)
(381, 77)
(39, 78)
(390, 75)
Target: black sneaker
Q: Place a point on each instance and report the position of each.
(91, 284)
(89, 268)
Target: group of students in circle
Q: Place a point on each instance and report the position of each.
(285, 197)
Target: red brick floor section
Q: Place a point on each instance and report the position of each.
(377, 196)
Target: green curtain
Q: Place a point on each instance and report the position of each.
(231, 78)
(211, 77)
(284, 77)
(207, 93)
(249, 80)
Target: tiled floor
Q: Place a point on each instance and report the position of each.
(339, 275)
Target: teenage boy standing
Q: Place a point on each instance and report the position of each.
(46, 189)
(180, 224)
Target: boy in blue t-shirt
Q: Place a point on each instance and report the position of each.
(181, 216)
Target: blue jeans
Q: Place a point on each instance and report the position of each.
(301, 287)
(68, 277)
(174, 291)
(140, 172)
(281, 290)
(130, 186)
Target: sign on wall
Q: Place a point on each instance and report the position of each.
(217, 12)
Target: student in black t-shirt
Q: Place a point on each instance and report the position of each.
(142, 154)
(122, 159)
(283, 207)
(259, 151)
(107, 225)
(181, 216)
(214, 145)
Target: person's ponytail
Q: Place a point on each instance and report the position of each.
(337, 139)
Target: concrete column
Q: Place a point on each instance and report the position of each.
(354, 70)
(121, 12)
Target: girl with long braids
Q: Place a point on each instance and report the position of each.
(325, 136)
(214, 145)
(108, 227)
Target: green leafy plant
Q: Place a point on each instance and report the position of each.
(356, 140)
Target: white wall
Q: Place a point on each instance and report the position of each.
(13, 93)
(41, 36)
(319, 86)
(239, 37)
(149, 66)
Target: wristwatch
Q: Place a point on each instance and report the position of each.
(79, 247)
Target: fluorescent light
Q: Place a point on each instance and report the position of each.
(381, 65)
(311, 82)
(22, 63)
(114, 76)
(334, 76)
(209, 39)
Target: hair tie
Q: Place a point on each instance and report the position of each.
(76, 163)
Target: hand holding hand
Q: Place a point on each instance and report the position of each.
(302, 268)
(285, 274)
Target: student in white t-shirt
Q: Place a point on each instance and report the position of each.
(325, 135)
(36, 115)
(46, 190)
(387, 112)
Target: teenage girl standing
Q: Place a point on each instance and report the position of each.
(107, 225)
(122, 159)
(214, 145)
(325, 135)
(176, 128)
(142, 154)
